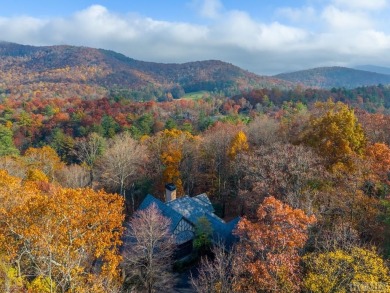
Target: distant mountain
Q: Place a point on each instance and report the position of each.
(374, 68)
(80, 71)
(329, 77)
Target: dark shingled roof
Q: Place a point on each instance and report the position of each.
(167, 211)
(191, 209)
(223, 231)
(204, 200)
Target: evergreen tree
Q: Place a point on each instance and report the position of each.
(7, 146)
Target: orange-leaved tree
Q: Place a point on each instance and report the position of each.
(169, 146)
(69, 237)
(268, 251)
(379, 153)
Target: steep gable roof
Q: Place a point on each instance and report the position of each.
(223, 231)
(166, 211)
(204, 201)
(191, 209)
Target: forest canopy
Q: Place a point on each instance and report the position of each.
(314, 165)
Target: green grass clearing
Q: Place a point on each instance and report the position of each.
(195, 95)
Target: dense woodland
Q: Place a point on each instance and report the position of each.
(67, 71)
(307, 169)
(328, 77)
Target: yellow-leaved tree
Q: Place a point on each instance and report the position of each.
(64, 240)
(334, 132)
(9, 279)
(44, 159)
(36, 175)
(168, 145)
(342, 271)
(238, 145)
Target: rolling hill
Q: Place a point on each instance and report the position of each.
(80, 71)
(334, 77)
(374, 68)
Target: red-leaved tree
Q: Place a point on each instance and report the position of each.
(268, 250)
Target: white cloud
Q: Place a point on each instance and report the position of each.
(345, 20)
(339, 36)
(208, 8)
(97, 21)
(303, 14)
(22, 29)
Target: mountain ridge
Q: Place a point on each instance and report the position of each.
(103, 71)
(334, 77)
(374, 68)
(67, 71)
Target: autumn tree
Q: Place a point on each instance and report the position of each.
(14, 165)
(379, 154)
(236, 153)
(67, 238)
(9, 279)
(191, 173)
(122, 163)
(238, 144)
(73, 176)
(346, 214)
(215, 275)
(269, 246)
(89, 150)
(216, 145)
(334, 132)
(44, 159)
(345, 271)
(293, 118)
(172, 156)
(263, 131)
(168, 149)
(376, 126)
(148, 252)
(36, 175)
(292, 173)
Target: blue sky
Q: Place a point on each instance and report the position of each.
(170, 10)
(262, 36)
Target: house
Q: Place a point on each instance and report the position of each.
(184, 213)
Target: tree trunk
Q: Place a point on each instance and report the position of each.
(91, 177)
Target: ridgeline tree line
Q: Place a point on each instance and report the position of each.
(311, 182)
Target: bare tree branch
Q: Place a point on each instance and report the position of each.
(148, 253)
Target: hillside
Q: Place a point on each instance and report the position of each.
(374, 68)
(330, 77)
(67, 71)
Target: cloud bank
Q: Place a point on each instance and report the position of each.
(339, 32)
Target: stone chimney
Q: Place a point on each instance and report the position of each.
(170, 192)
